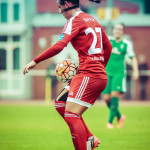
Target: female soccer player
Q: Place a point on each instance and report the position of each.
(94, 48)
(116, 73)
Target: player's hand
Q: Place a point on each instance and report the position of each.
(135, 75)
(28, 67)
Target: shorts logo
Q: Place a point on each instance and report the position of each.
(71, 93)
(61, 37)
(116, 51)
(118, 87)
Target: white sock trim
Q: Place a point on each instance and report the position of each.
(73, 100)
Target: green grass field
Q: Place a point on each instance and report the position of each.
(41, 128)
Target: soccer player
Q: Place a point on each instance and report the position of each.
(116, 73)
(94, 48)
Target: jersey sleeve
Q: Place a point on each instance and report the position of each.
(71, 29)
(130, 51)
(105, 38)
(50, 52)
(107, 47)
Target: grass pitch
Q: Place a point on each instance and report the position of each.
(41, 128)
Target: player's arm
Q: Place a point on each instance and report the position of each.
(107, 47)
(50, 52)
(134, 63)
(68, 34)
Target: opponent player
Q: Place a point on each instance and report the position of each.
(116, 73)
(94, 48)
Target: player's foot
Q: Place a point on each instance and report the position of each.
(121, 121)
(110, 125)
(92, 142)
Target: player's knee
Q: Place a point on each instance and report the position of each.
(106, 97)
(115, 94)
(62, 96)
(68, 115)
(57, 98)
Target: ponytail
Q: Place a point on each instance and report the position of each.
(96, 1)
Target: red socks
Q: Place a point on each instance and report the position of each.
(60, 107)
(88, 133)
(77, 130)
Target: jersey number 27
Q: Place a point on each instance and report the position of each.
(93, 49)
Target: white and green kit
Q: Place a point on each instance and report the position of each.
(116, 67)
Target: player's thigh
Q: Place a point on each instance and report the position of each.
(118, 86)
(107, 90)
(62, 96)
(115, 94)
(85, 90)
(75, 108)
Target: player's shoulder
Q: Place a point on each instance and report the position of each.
(111, 38)
(127, 42)
(75, 20)
(77, 16)
(85, 18)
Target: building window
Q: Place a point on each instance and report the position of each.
(3, 12)
(16, 59)
(2, 59)
(16, 38)
(16, 12)
(3, 38)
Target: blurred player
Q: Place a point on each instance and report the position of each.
(94, 48)
(116, 73)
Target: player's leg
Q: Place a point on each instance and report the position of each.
(72, 116)
(60, 104)
(114, 102)
(78, 128)
(60, 101)
(107, 91)
(118, 87)
(115, 96)
(77, 104)
(107, 97)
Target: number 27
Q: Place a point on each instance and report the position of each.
(92, 49)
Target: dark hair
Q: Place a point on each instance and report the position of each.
(96, 1)
(76, 2)
(120, 23)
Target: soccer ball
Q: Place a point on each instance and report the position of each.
(66, 70)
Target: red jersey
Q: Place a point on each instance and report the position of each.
(89, 40)
(87, 37)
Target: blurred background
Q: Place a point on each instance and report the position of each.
(28, 27)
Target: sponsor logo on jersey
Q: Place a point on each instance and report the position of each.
(98, 58)
(115, 51)
(122, 46)
(89, 19)
(61, 37)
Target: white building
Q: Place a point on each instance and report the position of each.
(15, 47)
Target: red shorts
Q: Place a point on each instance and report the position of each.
(85, 90)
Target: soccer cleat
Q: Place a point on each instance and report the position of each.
(121, 121)
(92, 142)
(110, 125)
